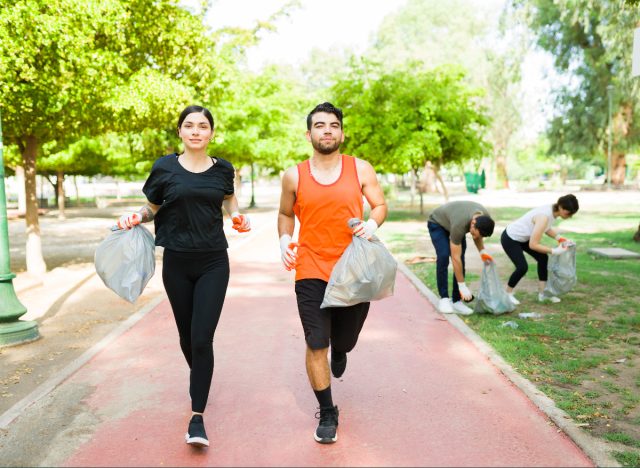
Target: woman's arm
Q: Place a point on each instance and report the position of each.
(539, 225)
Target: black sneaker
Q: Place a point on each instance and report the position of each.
(196, 435)
(338, 363)
(327, 430)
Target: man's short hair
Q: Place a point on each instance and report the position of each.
(485, 225)
(325, 107)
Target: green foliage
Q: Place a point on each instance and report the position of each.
(263, 120)
(590, 40)
(400, 119)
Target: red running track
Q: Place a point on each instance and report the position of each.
(416, 392)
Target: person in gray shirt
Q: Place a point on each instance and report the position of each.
(448, 226)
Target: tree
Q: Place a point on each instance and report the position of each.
(591, 42)
(467, 34)
(403, 119)
(88, 67)
(262, 122)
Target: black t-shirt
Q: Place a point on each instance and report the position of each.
(190, 218)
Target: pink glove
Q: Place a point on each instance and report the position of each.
(129, 220)
(241, 223)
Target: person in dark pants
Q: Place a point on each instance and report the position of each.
(186, 193)
(525, 234)
(324, 192)
(448, 226)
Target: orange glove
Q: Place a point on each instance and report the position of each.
(288, 254)
(241, 223)
(485, 256)
(127, 221)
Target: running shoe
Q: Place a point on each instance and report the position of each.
(338, 363)
(544, 298)
(461, 309)
(327, 430)
(196, 436)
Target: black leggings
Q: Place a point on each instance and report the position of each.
(515, 251)
(196, 283)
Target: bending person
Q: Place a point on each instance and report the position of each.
(525, 235)
(324, 192)
(186, 193)
(448, 226)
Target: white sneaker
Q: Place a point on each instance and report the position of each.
(543, 298)
(445, 306)
(513, 299)
(461, 309)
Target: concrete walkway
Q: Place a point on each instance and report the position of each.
(416, 391)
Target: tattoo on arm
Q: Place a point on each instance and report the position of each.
(146, 214)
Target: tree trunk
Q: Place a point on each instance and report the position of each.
(22, 198)
(75, 186)
(502, 179)
(436, 170)
(413, 190)
(60, 193)
(636, 236)
(618, 169)
(35, 261)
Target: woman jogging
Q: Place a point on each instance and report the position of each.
(525, 234)
(186, 193)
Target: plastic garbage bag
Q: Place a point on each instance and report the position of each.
(562, 275)
(492, 297)
(125, 261)
(365, 272)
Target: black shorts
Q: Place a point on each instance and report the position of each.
(338, 326)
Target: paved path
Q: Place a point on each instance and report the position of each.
(416, 392)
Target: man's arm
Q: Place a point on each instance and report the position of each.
(287, 219)
(456, 261)
(286, 216)
(372, 191)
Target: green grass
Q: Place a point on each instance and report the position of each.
(574, 352)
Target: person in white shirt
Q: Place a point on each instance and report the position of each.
(525, 235)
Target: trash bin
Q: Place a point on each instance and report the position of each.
(472, 181)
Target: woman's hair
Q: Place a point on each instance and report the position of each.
(568, 202)
(193, 109)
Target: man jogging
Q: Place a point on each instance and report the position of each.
(324, 192)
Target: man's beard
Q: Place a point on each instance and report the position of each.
(325, 148)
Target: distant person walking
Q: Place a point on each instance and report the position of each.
(525, 235)
(448, 225)
(186, 192)
(324, 192)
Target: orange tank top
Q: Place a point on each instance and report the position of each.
(323, 212)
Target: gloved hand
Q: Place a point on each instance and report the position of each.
(241, 223)
(484, 255)
(560, 238)
(365, 230)
(559, 250)
(127, 221)
(465, 293)
(288, 254)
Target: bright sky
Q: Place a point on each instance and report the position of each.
(350, 24)
(315, 24)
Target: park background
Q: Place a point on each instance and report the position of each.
(507, 103)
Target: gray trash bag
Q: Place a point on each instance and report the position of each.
(125, 261)
(562, 275)
(492, 297)
(365, 272)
